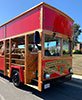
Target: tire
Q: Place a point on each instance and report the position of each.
(16, 78)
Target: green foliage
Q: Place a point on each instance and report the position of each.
(77, 32)
(77, 52)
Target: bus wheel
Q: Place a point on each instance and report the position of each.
(16, 78)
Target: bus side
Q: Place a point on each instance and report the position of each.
(2, 63)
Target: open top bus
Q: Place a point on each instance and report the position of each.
(36, 47)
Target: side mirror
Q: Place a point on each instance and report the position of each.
(36, 37)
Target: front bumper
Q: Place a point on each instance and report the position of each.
(59, 80)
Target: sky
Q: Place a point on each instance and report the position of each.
(11, 8)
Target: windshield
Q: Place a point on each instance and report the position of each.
(52, 45)
(66, 48)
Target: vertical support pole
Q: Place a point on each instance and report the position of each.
(61, 45)
(40, 71)
(70, 47)
(42, 43)
(26, 55)
(10, 46)
(5, 69)
(40, 54)
(41, 17)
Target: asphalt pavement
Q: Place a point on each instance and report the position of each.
(71, 90)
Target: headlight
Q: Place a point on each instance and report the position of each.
(47, 76)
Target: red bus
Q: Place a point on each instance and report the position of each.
(36, 47)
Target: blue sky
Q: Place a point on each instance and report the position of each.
(12, 8)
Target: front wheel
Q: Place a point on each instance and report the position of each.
(16, 78)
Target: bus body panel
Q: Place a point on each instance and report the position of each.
(21, 72)
(27, 22)
(2, 30)
(56, 22)
(57, 67)
(2, 63)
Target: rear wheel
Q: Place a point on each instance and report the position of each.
(16, 78)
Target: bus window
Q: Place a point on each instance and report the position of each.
(66, 47)
(14, 45)
(2, 48)
(21, 46)
(31, 45)
(52, 46)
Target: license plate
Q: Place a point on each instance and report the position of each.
(47, 86)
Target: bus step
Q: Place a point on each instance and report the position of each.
(35, 80)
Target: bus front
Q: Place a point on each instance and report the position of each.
(56, 59)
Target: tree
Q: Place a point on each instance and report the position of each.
(77, 32)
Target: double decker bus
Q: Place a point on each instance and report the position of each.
(36, 47)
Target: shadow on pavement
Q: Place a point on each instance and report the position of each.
(58, 91)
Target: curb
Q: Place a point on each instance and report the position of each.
(77, 76)
(76, 79)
